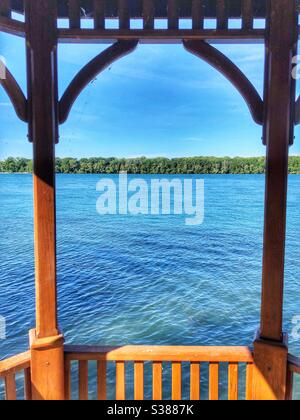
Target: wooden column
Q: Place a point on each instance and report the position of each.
(47, 364)
(270, 348)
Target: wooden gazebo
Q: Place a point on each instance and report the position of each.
(46, 366)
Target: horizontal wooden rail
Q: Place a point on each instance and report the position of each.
(160, 353)
(9, 368)
(175, 357)
(14, 364)
(160, 35)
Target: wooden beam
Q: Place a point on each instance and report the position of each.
(148, 14)
(173, 15)
(198, 14)
(247, 14)
(270, 347)
(99, 14)
(47, 367)
(160, 354)
(161, 36)
(5, 8)
(279, 118)
(222, 14)
(74, 13)
(124, 17)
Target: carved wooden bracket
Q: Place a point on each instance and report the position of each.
(15, 93)
(89, 72)
(225, 66)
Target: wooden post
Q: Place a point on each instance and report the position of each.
(47, 358)
(270, 348)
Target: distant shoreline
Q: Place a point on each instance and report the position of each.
(198, 165)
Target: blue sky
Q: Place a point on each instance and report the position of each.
(158, 101)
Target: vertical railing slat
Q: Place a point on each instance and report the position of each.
(120, 381)
(74, 14)
(197, 14)
(214, 381)
(173, 16)
(99, 14)
(5, 8)
(124, 18)
(101, 380)
(157, 381)
(148, 14)
(176, 381)
(195, 381)
(249, 381)
(233, 380)
(27, 385)
(222, 14)
(247, 14)
(83, 380)
(289, 385)
(139, 381)
(67, 380)
(10, 387)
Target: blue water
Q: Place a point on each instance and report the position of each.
(146, 279)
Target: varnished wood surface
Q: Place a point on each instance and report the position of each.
(14, 364)
(278, 135)
(160, 353)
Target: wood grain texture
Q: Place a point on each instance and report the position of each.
(14, 364)
(278, 134)
(10, 387)
(160, 353)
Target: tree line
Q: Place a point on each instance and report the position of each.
(159, 165)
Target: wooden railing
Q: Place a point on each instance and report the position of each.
(14, 374)
(293, 386)
(165, 366)
(167, 19)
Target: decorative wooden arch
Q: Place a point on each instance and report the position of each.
(277, 112)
